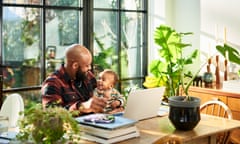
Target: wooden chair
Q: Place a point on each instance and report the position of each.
(169, 139)
(220, 109)
(216, 108)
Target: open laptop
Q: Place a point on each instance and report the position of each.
(143, 103)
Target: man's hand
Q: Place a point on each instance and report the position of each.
(98, 104)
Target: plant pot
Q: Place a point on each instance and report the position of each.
(184, 115)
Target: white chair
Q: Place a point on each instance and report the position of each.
(11, 107)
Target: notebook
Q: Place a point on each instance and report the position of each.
(143, 103)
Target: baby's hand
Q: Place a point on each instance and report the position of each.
(115, 104)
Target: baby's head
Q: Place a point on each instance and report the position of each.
(107, 79)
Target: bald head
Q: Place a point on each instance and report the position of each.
(78, 60)
(77, 52)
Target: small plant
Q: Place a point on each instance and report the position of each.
(47, 126)
(169, 69)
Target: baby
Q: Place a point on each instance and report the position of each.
(107, 80)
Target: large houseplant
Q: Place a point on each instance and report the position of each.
(169, 70)
(47, 126)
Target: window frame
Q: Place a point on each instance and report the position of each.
(87, 38)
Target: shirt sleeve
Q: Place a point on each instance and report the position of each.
(120, 97)
(57, 93)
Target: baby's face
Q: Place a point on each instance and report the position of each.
(105, 81)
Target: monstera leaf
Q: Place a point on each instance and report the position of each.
(169, 68)
(233, 54)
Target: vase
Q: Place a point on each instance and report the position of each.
(184, 114)
(208, 77)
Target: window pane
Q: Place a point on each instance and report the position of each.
(21, 51)
(130, 85)
(105, 4)
(132, 4)
(105, 40)
(23, 1)
(132, 44)
(62, 29)
(64, 2)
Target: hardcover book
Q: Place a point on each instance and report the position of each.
(100, 121)
(101, 140)
(105, 133)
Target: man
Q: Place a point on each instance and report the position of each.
(72, 85)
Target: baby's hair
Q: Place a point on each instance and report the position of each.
(111, 72)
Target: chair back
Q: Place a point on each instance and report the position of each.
(216, 108)
(168, 139)
(220, 109)
(11, 107)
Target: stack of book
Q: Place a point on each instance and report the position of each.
(110, 132)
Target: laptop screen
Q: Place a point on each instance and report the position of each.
(143, 103)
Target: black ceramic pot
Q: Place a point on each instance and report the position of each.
(184, 115)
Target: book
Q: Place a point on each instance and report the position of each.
(118, 122)
(101, 140)
(105, 133)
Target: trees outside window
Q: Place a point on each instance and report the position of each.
(35, 33)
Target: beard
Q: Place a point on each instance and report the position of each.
(80, 76)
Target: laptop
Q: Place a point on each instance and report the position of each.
(143, 103)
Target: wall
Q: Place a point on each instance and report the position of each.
(218, 16)
(206, 19)
(183, 15)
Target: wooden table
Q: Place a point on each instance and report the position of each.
(205, 132)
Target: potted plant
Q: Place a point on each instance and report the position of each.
(169, 70)
(47, 126)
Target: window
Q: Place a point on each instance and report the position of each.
(119, 27)
(35, 34)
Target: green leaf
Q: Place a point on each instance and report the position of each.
(170, 65)
(233, 54)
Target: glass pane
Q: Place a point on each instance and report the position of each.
(130, 85)
(132, 44)
(21, 51)
(105, 40)
(132, 4)
(105, 4)
(23, 1)
(64, 2)
(62, 29)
